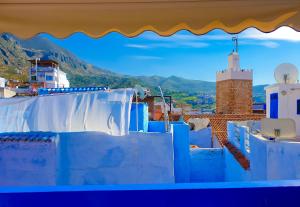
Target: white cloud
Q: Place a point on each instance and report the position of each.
(270, 44)
(174, 41)
(172, 44)
(139, 46)
(282, 33)
(146, 57)
(267, 43)
(250, 36)
(174, 38)
(194, 44)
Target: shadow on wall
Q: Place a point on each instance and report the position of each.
(86, 158)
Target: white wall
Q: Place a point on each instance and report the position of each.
(63, 82)
(7, 93)
(287, 104)
(27, 163)
(269, 160)
(274, 160)
(258, 159)
(235, 75)
(2, 82)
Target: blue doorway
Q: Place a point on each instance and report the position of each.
(274, 105)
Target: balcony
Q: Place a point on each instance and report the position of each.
(43, 69)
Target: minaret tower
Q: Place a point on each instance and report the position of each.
(234, 86)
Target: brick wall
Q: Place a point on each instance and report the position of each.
(234, 97)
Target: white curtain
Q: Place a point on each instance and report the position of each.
(105, 111)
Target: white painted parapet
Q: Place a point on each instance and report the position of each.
(28, 159)
(234, 75)
(86, 158)
(274, 160)
(234, 71)
(269, 160)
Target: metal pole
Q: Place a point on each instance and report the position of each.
(36, 68)
(58, 77)
(166, 116)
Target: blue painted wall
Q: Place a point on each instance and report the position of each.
(95, 158)
(233, 170)
(156, 126)
(143, 117)
(202, 138)
(181, 147)
(207, 165)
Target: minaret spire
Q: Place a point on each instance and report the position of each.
(235, 43)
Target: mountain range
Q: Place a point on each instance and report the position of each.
(15, 53)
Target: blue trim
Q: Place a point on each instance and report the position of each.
(49, 78)
(265, 193)
(274, 105)
(47, 91)
(298, 106)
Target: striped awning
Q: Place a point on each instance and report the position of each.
(26, 18)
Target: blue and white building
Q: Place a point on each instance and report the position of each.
(283, 97)
(46, 74)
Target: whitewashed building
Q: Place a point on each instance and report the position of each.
(283, 97)
(46, 74)
(2, 82)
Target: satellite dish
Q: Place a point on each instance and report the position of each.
(286, 73)
(140, 91)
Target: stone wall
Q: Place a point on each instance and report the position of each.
(234, 97)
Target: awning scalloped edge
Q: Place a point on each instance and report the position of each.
(149, 29)
(98, 25)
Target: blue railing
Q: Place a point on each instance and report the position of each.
(47, 91)
(246, 194)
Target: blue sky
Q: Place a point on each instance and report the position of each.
(186, 55)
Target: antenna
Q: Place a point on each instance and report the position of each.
(286, 73)
(166, 116)
(235, 43)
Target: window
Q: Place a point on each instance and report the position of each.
(298, 106)
(33, 78)
(49, 78)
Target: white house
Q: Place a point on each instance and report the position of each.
(283, 97)
(2, 82)
(46, 73)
